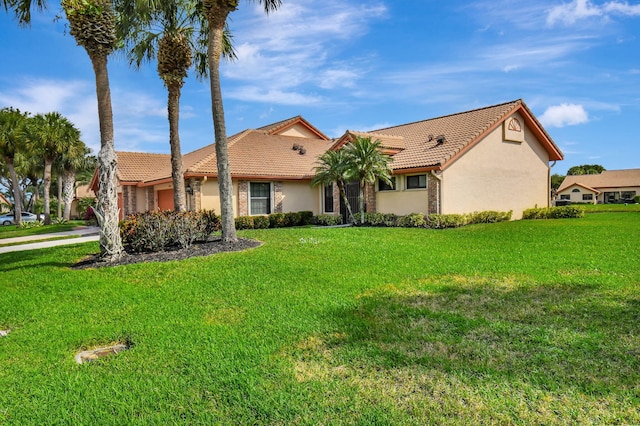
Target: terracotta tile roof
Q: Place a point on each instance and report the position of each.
(387, 141)
(84, 191)
(588, 188)
(606, 179)
(281, 126)
(460, 130)
(256, 154)
(141, 166)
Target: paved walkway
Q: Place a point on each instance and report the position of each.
(84, 234)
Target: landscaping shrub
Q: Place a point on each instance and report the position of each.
(636, 199)
(244, 222)
(442, 221)
(374, 219)
(276, 220)
(561, 212)
(90, 216)
(306, 217)
(260, 222)
(292, 219)
(156, 231)
(489, 216)
(327, 220)
(413, 220)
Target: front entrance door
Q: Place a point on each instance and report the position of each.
(352, 191)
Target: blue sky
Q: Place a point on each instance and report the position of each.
(362, 65)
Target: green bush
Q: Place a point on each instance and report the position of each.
(306, 217)
(244, 222)
(489, 216)
(260, 222)
(636, 199)
(374, 219)
(561, 212)
(292, 219)
(413, 220)
(327, 220)
(442, 221)
(276, 220)
(157, 231)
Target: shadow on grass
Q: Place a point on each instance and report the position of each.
(534, 352)
(13, 261)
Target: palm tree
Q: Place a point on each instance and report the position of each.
(366, 163)
(216, 13)
(333, 168)
(92, 24)
(73, 160)
(12, 140)
(51, 135)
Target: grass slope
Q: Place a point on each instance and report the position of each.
(521, 322)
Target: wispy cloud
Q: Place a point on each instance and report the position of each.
(564, 115)
(577, 10)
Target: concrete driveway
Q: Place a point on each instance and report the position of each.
(33, 242)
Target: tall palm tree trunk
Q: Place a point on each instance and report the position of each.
(361, 200)
(343, 194)
(177, 173)
(47, 190)
(17, 196)
(216, 28)
(60, 195)
(68, 180)
(110, 241)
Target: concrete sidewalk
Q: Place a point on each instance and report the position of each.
(34, 242)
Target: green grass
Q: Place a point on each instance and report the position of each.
(527, 322)
(12, 231)
(610, 208)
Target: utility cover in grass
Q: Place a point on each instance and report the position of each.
(94, 354)
(4, 332)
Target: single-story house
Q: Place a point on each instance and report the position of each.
(492, 158)
(4, 204)
(610, 186)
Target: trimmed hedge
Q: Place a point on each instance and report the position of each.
(327, 220)
(562, 212)
(157, 231)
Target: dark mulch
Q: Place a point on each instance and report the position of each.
(213, 246)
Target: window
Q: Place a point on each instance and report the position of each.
(383, 186)
(628, 195)
(575, 190)
(260, 198)
(328, 198)
(565, 197)
(587, 197)
(417, 181)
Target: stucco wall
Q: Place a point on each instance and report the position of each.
(299, 196)
(299, 131)
(576, 197)
(498, 175)
(210, 196)
(402, 201)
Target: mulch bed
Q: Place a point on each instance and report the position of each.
(210, 247)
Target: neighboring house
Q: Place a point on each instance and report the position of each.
(493, 158)
(5, 206)
(82, 191)
(610, 186)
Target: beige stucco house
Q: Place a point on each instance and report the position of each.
(493, 158)
(4, 204)
(610, 186)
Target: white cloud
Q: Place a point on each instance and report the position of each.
(271, 96)
(564, 115)
(570, 13)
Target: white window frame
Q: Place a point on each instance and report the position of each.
(271, 199)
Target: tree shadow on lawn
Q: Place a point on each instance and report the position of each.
(16, 260)
(562, 345)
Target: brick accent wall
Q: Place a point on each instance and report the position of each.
(128, 200)
(243, 198)
(370, 198)
(336, 199)
(433, 193)
(277, 197)
(195, 200)
(151, 200)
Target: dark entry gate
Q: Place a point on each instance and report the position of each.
(352, 191)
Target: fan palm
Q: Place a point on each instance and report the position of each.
(51, 135)
(12, 140)
(366, 163)
(92, 24)
(331, 168)
(216, 13)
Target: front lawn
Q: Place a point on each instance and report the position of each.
(11, 231)
(526, 322)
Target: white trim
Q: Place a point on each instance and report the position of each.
(271, 198)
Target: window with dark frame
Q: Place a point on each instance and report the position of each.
(384, 186)
(260, 201)
(587, 197)
(328, 198)
(417, 182)
(565, 197)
